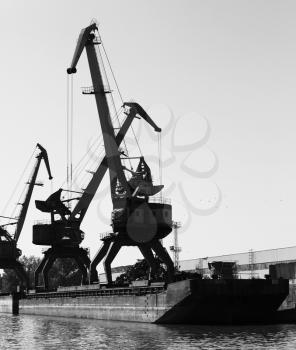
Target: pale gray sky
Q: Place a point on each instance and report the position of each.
(231, 62)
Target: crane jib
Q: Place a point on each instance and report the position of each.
(31, 183)
(82, 40)
(97, 178)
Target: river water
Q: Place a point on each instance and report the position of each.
(42, 333)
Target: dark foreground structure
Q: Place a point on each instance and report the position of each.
(193, 301)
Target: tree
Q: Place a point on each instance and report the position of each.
(9, 279)
(64, 272)
(140, 271)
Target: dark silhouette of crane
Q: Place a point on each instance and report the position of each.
(136, 220)
(9, 253)
(63, 233)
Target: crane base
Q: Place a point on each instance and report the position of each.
(15, 265)
(80, 255)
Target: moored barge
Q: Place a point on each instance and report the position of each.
(191, 301)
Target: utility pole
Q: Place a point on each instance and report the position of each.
(175, 248)
(252, 263)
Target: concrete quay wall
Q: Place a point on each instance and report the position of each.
(9, 304)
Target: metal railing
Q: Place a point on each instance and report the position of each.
(107, 235)
(102, 292)
(89, 90)
(42, 222)
(160, 200)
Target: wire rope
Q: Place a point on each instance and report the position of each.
(67, 126)
(78, 169)
(113, 104)
(19, 201)
(160, 160)
(71, 133)
(19, 180)
(77, 172)
(120, 96)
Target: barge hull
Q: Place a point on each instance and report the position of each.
(189, 301)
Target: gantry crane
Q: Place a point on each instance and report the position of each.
(136, 220)
(9, 253)
(63, 233)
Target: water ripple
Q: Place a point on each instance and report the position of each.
(46, 333)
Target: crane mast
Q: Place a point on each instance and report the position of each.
(135, 221)
(87, 40)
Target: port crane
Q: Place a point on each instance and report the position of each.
(137, 220)
(63, 233)
(9, 253)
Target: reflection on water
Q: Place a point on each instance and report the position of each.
(42, 333)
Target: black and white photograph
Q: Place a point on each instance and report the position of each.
(148, 183)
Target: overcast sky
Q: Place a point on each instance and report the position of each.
(217, 76)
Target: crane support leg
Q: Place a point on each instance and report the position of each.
(84, 256)
(21, 273)
(82, 268)
(165, 258)
(80, 253)
(149, 257)
(97, 259)
(112, 252)
(38, 271)
(50, 260)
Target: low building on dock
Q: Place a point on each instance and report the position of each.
(250, 264)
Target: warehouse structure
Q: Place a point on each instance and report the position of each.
(250, 264)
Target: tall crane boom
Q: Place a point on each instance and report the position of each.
(81, 42)
(32, 182)
(86, 39)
